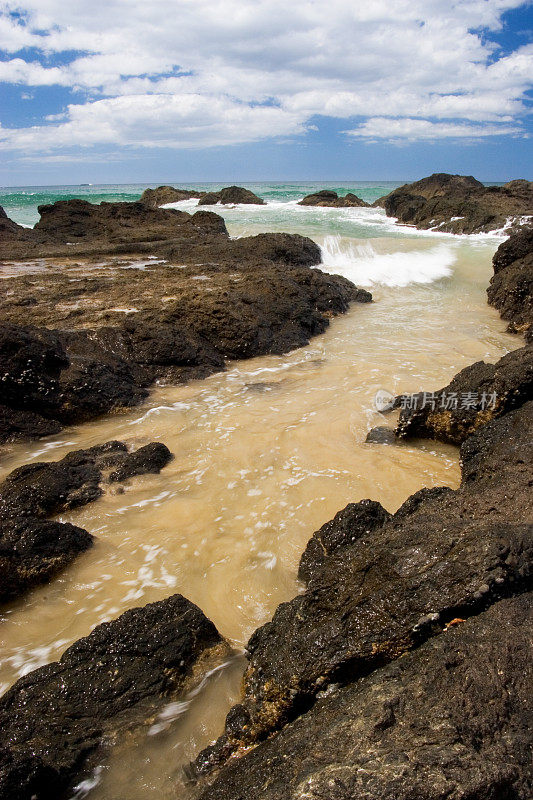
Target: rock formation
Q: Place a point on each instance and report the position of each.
(11, 232)
(389, 585)
(511, 287)
(57, 720)
(329, 199)
(231, 195)
(449, 719)
(33, 549)
(476, 395)
(153, 198)
(459, 204)
(96, 342)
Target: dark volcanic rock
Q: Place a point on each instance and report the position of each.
(476, 395)
(45, 488)
(450, 720)
(459, 203)
(153, 198)
(231, 195)
(517, 246)
(102, 356)
(511, 287)
(10, 231)
(57, 719)
(381, 435)
(285, 248)
(74, 220)
(444, 554)
(344, 529)
(31, 550)
(329, 199)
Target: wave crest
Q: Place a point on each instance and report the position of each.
(365, 267)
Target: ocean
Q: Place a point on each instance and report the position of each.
(361, 243)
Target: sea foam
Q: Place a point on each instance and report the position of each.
(365, 267)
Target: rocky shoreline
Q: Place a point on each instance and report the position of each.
(460, 204)
(402, 670)
(82, 338)
(404, 612)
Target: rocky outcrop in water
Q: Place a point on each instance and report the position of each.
(77, 227)
(10, 231)
(231, 195)
(482, 392)
(444, 555)
(511, 287)
(459, 204)
(153, 198)
(449, 720)
(116, 330)
(327, 198)
(348, 525)
(56, 721)
(75, 220)
(476, 395)
(33, 549)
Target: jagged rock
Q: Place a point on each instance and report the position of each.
(344, 529)
(381, 435)
(517, 246)
(10, 231)
(459, 203)
(511, 287)
(449, 720)
(102, 356)
(32, 551)
(74, 220)
(285, 248)
(444, 554)
(231, 195)
(45, 488)
(329, 199)
(153, 198)
(479, 393)
(57, 720)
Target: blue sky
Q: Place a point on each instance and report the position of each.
(236, 90)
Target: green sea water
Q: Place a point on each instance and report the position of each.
(21, 202)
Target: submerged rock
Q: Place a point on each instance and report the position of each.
(459, 203)
(328, 199)
(231, 195)
(56, 721)
(511, 287)
(381, 435)
(450, 719)
(32, 550)
(476, 395)
(153, 198)
(444, 555)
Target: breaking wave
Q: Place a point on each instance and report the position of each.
(365, 267)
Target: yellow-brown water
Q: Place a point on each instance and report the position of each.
(264, 454)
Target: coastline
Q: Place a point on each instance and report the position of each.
(270, 709)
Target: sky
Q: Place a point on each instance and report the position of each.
(119, 91)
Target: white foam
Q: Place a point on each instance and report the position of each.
(365, 267)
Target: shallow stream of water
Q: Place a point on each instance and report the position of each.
(264, 454)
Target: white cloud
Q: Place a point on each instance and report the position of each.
(421, 129)
(186, 73)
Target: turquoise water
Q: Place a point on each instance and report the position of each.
(21, 202)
